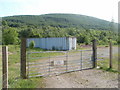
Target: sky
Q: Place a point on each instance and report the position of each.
(103, 9)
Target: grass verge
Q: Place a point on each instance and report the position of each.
(104, 64)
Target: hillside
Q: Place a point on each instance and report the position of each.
(58, 20)
(84, 28)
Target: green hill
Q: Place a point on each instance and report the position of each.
(58, 20)
(84, 28)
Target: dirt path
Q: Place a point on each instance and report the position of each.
(83, 79)
(92, 78)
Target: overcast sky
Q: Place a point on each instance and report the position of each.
(103, 9)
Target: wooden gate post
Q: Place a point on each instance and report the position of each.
(5, 67)
(110, 63)
(94, 47)
(23, 59)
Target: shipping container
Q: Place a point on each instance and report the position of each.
(54, 43)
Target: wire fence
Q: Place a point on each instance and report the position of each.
(103, 58)
(14, 70)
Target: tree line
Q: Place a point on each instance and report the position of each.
(12, 35)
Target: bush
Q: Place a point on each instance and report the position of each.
(32, 44)
(10, 36)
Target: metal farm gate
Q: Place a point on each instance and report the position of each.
(47, 63)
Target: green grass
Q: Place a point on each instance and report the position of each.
(26, 83)
(14, 79)
(104, 64)
(35, 50)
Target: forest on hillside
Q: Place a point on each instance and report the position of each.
(58, 20)
(58, 25)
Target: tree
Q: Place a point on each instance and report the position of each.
(10, 36)
(26, 33)
(4, 23)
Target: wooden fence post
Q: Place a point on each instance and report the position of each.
(23, 59)
(110, 63)
(5, 67)
(94, 47)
